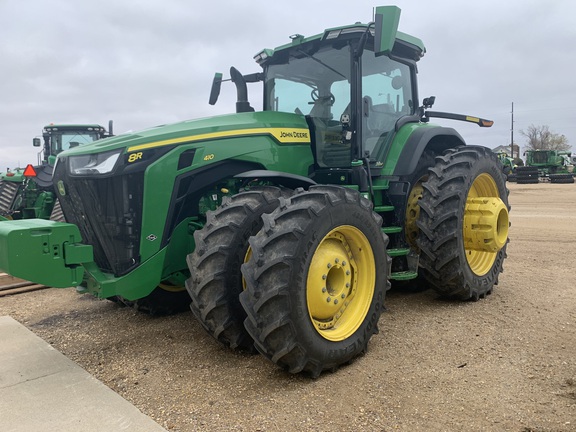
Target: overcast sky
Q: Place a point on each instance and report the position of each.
(147, 62)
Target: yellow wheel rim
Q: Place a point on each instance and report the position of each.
(485, 227)
(413, 212)
(247, 256)
(171, 288)
(340, 283)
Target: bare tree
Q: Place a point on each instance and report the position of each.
(542, 138)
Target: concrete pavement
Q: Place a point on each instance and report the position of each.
(42, 390)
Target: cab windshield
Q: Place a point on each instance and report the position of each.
(64, 140)
(315, 84)
(315, 80)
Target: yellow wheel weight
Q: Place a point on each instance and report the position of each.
(485, 226)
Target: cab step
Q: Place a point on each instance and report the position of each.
(391, 229)
(383, 208)
(398, 252)
(403, 275)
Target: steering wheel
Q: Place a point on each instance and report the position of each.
(315, 95)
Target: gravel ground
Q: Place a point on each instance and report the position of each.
(505, 363)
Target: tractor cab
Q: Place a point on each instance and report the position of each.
(58, 138)
(355, 85)
(351, 99)
(29, 193)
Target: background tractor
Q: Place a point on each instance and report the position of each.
(508, 166)
(553, 165)
(29, 193)
(284, 227)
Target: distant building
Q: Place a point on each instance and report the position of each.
(506, 149)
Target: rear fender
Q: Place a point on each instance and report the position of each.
(436, 139)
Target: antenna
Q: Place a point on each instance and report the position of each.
(512, 134)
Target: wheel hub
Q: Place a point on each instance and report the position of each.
(331, 275)
(340, 283)
(485, 224)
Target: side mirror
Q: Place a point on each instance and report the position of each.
(215, 91)
(36, 142)
(429, 101)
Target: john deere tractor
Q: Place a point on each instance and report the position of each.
(283, 228)
(552, 165)
(508, 166)
(27, 193)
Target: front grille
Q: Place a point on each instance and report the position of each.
(108, 213)
(540, 158)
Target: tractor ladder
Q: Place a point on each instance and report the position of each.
(402, 256)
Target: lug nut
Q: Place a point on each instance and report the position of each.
(324, 277)
(324, 289)
(328, 300)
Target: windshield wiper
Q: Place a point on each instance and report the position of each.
(322, 63)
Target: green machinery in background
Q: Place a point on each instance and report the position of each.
(553, 165)
(27, 193)
(508, 166)
(284, 227)
(546, 165)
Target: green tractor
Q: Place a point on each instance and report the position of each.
(552, 165)
(284, 227)
(508, 166)
(28, 193)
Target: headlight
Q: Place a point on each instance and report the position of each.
(98, 163)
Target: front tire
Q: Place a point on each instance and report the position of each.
(165, 299)
(221, 248)
(316, 280)
(464, 223)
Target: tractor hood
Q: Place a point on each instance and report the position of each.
(283, 127)
(127, 194)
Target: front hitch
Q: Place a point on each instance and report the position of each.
(42, 251)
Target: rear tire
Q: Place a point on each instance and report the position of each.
(57, 214)
(8, 192)
(316, 280)
(412, 213)
(464, 223)
(221, 248)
